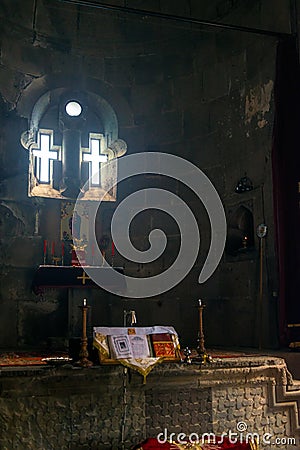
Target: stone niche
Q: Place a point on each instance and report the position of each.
(74, 408)
(240, 234)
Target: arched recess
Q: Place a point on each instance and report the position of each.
(240, 234)
(39, 86)
(98, 121)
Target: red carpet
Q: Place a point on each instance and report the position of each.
(221, 444)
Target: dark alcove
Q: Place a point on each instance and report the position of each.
(240, 234)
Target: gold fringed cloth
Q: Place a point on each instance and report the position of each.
(139, 348)
(101, 344)
(142, 365)
(219, 443)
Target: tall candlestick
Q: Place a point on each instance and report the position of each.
(84, 354)
(93, 254)
(37, 222)
(112, 253)
(62, 253)
(52, 253)
(45, 251)
(201, 347)
(203, 356)
(103, 257)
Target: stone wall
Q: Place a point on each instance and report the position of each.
(202, 93)
(106, 408)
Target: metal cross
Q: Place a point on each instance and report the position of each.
(83, 277)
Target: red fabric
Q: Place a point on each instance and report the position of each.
(285, 163)
(224, 444)
(152, 444)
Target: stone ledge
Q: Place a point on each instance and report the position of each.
(72, 401)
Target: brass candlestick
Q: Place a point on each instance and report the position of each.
(200, 347)
(83, 354)
(203, 355)
(55, 260)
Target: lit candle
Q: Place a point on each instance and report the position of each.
(84, 302)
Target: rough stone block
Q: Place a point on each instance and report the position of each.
(188, 91)
(177, 65)
(151, 5)
(119, 71)
(150, 99)
(163, 129)
(216, 82)
(148, 69)
(175, 7)
(196, 121)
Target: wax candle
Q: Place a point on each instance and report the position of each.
(112, 248)
(45, 247)
(52, 248)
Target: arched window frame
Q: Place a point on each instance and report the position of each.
(111, 146)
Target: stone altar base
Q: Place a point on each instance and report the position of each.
(45, 408)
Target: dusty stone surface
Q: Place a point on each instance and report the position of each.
(73, 408)
(201, 93)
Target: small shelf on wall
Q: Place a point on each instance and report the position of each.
(59, 277)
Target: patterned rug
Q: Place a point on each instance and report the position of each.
(30, 359)
(214, 353)
(39, 359)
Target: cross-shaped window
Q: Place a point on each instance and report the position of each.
(71, 137)
(95, 158)
(44, 153)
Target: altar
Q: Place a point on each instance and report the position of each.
(76, 277)
(77, 284)
(109, 408)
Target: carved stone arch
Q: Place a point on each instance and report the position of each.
(108, 116)
(95, 101)
(51, 82)
(69, 185)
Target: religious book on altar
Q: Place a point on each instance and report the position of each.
(117, 343)
(163, 345)
(129, 346)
